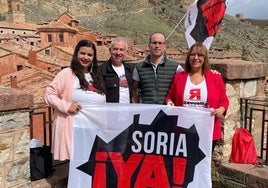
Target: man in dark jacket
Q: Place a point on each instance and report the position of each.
(117, 74)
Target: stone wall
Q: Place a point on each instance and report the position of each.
(242, 176)
(14, 137)
(242, 79)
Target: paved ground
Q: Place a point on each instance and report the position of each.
(59, 178)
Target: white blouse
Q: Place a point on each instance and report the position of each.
(195, 95)
(86, 96)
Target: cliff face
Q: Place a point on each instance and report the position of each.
(138, 19)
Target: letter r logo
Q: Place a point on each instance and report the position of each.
(195, 94)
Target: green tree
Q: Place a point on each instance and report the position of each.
(2, 17)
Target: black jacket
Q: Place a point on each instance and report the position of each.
(111, 80)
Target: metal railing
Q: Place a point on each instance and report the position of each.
(254, 116)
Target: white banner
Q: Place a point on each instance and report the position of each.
(140, 146)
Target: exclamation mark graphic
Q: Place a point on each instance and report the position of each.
(99, 178)
(179, 167)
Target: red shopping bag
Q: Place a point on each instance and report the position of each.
(243, 148)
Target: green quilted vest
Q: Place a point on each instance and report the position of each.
(154, 87)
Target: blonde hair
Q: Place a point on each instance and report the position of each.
(202, 50)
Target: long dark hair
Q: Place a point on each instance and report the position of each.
(93, 68)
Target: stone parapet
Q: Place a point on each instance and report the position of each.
(14, 157)
(14, 99)
(14, 137)
(243, 175)
(242, 79)
(239, 69)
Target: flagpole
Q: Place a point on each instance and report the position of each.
(176, 26)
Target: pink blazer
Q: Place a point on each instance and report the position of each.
(59, 96)
(216, 95)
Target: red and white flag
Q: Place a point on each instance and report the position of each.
(203, 21)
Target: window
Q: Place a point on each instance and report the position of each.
(49, 38)
(61, 37)
(47, 52)
(19, 67)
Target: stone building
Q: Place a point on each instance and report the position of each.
(15, 29)
(15, 13)
(64, 31)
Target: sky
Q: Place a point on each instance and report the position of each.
(257, 9)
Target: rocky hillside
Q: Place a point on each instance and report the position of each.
(138, 19)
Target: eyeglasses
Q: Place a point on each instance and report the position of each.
(159, 43)
(197, 54)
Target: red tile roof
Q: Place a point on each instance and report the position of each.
(18, 26)
(56, 25)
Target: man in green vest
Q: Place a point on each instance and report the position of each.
(153, 75)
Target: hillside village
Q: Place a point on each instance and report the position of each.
(31, 54)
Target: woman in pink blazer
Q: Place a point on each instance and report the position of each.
(198, 86)
(79, 84)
